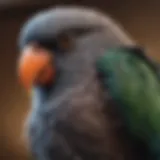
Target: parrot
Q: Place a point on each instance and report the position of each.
(95, 93)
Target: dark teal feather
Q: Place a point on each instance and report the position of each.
(133, 83)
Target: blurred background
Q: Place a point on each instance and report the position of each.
(141, 18)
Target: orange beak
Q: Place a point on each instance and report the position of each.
(35, 66)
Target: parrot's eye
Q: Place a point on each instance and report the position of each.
(64, 42)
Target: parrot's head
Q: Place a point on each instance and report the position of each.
(62, 43)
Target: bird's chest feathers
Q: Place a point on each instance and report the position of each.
(78, 108)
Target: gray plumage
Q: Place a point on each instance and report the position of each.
(49, 23)
(76, 119)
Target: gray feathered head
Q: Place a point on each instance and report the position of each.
(62, 44)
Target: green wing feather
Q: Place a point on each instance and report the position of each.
(134, 85)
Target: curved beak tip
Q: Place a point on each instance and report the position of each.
(31, 64)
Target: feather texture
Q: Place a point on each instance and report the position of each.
(77, 120)
(134, 84)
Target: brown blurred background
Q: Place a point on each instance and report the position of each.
(139, 17)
